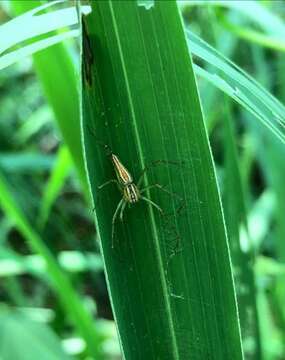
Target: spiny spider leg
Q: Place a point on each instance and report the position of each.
(114, 219)
(152, 203)
(161, 188)
(155, 163)
(122, 210)
(105, 146)
(107, 183)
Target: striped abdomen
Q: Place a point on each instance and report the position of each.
(131, 193)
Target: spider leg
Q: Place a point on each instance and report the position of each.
(105, 146)
(122, 210)
(161, 188)
(114, 218)
(155, 163)
(152, 203)
(107, 183)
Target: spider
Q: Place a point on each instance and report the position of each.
(131, 192)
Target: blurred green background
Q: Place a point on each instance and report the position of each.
(37, 166)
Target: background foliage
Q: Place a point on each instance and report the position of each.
(47, 215)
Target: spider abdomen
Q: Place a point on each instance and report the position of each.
(131, 193)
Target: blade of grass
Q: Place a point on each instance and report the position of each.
(17, 55)
(240, 244)
(255, 37)
(55, 183)
(59, 281)
(270, 154)
(236, 220)
(211, 95)
(260, 218)
(254, 10)
(169, 276)
(24, 339)
(30, 24)
(240, 86)
(263, 106)
(234, 209)
(272, 342)
(56, 71)
(33, 124)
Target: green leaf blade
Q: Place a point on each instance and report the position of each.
(16, 330)
(57, 73)
(169, 276)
